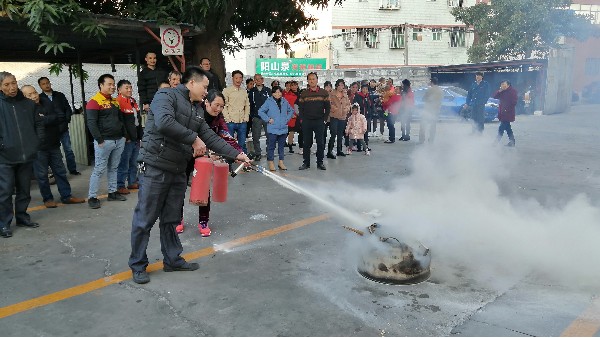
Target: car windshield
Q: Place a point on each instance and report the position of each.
(457, 91)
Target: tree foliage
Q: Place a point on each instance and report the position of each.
(509, 29)
(224, 21)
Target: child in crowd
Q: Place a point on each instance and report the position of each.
(356, 129)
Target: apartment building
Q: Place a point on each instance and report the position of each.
(586, 55)
(393, 33)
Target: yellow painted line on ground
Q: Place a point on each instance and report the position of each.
(81, 289)
(587, 324)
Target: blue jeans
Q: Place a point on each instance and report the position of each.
(107, 158)
(65, 140)
(240, 130)
(52, 158)
(505, 126)
(127, 170)
(273, 140)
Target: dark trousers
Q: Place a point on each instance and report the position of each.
(275, 140)
(405, 118)
(65, 140)
(313, 129)
(337, 130)
(11, 176)
(160, 195)
(391, 119)
(52, 158)
(505, 126)
(477, 114)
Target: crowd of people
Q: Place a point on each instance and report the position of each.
(186, 115)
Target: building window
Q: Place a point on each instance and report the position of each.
(314, 47)
(457, 37)
(389, 4)
(314, 26)
(367, 37)
(397, 37)
(591, 10)
(417, 34)
(452, 3)
(437, 34)
(592, 67)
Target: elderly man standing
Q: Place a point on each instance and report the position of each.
(258, 96)
(476, 99)
(19, 139)
(49, 152)
(213, 79)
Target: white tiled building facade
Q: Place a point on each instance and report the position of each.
(393, 33)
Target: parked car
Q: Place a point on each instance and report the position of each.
(591, 92)
(452, 103)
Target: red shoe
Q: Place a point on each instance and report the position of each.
(179, 229)
(204, 229)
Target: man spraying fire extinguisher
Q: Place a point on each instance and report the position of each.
(175, 122)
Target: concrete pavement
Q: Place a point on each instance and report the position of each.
(260, 278)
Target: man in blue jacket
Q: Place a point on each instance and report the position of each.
(20, 132)
(476, 99)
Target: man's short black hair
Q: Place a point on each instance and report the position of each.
(238, 72)
(204, 59)
(43, 78)
(248, 80)
(479, 73)
(193, 73)
(123, 82)
(103, 78)
(312, 73)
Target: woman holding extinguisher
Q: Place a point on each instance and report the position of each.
(213, 106)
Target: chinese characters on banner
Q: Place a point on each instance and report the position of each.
(288, 67)
(171, 40)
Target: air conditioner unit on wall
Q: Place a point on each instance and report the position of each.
(349, 44)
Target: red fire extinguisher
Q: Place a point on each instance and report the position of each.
(219, 193)
(201, 177)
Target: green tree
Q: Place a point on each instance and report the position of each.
(224, 21)
(508, 29)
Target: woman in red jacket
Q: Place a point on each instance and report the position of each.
(506, 110)
(213, 106)
(391, 106)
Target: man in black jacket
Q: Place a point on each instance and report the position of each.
(258, 95)
(49, 152)
(314, 107)
(149, 80)
(213, 79)
(19, 138)
(62, 106)
(175, 131)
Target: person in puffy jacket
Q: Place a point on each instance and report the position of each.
(356, 129)
(276, 112)
(20, 131)
(506, 110)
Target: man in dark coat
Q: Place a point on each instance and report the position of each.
(149, 80)
(175, 131)
(213, 79)
(476, 99)
(506, 111)
(20, 131)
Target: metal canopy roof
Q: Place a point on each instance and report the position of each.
(123, 38)
(490, 66)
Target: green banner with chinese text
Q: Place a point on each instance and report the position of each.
(288, 67)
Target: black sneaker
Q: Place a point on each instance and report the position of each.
(75, 173)
(304, 167)
(140, 277)
(185, 267)
(113, 196)
(341, 153)
(5, 232)
(257, 157)
(94, 203)
(331, 156)
(321, 166)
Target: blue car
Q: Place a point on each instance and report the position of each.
(452, 103)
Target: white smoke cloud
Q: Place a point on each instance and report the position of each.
(453, 203)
